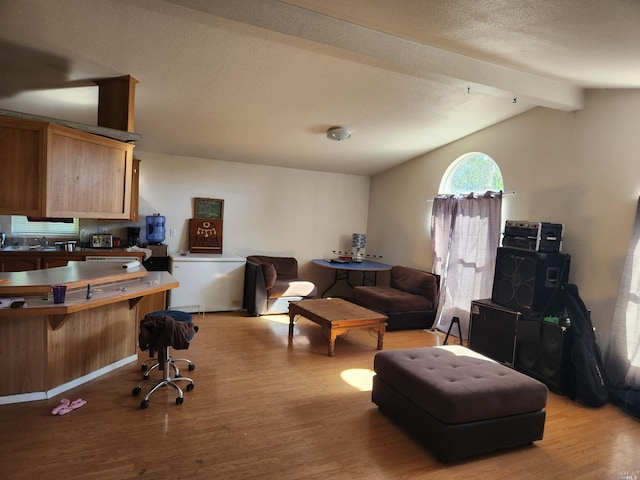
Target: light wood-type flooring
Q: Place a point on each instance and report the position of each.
(267, 408)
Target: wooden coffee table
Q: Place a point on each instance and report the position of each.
(335, 316)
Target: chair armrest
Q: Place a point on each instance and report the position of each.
(255, 291)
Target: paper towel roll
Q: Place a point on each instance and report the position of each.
(133, 264)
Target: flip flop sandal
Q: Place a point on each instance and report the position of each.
(72, 406)
(64, 403)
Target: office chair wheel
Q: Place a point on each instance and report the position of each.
(136, 390)
(144, 404)
(190, 387)
(179, 401)
(143, 368)
(192, 367)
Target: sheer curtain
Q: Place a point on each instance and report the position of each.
(465, 235)
(622, 360)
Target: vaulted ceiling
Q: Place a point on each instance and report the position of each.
(260, 81)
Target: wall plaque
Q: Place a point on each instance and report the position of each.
(205, 236)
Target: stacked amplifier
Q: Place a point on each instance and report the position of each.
(530, 268)
(534, 236)
(523, 324)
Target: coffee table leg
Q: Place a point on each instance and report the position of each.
(291, 317)
(332, 342)
(380, 337)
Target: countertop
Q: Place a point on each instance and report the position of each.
(76, 275)
(52, 249)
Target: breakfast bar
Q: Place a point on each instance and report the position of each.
(48, 348)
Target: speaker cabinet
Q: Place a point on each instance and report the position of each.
(526, 281)
(542, 352)
(492, 331)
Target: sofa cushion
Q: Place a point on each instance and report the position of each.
(414, 281)
(288, 288)
(286, 267)
(270, 275)
(457, 385)
(388, 299)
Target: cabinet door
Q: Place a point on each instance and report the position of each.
(135, 190)
(17, 263)
(51, 261)
(21, 166)
(96, 173)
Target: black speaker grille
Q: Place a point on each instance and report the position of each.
(527, 281)
(527, 269)
(546, 359)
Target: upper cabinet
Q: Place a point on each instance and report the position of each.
(54, 171)
(22, 162)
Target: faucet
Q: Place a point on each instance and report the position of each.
(40, 242)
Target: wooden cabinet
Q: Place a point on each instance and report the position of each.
(19, 263)
(135, 191)
(57, 260)
(24, 261)
(54, 171)
(22, 160)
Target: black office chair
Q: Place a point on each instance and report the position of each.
(158, 332)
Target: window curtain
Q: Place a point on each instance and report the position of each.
(622, 359)
(465, 235)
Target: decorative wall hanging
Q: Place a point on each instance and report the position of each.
(205, 236)
(212, 208)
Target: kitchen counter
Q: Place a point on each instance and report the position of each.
(76, 275)
(46, 348)
(53, 249)
(20, 259)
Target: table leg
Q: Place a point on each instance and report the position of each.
(291, 318)
(381, 336)
(333, 334)
(335, 280)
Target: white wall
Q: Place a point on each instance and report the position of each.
(576, 168)
(267, 210)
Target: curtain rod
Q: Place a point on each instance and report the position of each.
(430, 200)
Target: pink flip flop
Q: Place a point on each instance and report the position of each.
(64, 403)
(72, 406)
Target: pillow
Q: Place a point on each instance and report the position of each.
(270, 275)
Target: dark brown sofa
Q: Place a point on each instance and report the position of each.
(457, 402)
(270, 283)
(410, 301)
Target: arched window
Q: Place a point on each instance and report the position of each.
(472, 172)
(465, 234)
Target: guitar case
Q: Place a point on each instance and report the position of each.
(587, 383)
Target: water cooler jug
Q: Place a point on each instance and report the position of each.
(155, 229)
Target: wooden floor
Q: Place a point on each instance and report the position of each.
(267, 408)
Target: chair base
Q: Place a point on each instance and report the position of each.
(167, 380)
(172, 362)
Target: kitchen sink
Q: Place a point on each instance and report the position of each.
(26, 248)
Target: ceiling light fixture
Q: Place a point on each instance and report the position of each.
(338, 133)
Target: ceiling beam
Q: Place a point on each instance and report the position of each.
(368, 46)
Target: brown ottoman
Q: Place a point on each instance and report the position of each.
(457, 402)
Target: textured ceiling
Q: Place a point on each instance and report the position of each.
(260, 81)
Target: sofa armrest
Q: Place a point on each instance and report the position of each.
(417, 282)
(255, 291)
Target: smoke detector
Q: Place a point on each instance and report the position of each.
(338, 133)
